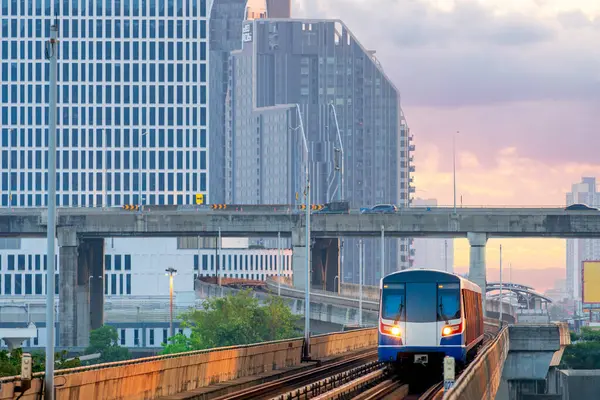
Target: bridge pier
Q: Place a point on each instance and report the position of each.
(477, 272)
(81, 301)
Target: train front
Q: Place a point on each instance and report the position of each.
(420, 318)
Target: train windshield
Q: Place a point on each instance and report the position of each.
(393, 301)
(448, 301)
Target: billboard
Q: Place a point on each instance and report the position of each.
(590, 283)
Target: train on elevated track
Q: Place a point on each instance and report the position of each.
(426, 315)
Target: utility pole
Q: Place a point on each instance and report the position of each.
(51, 55)
(454, 169)
(382, 251)
(501, 298)
(278, 263)
(307, 243)
(446, 255)
(360, 280)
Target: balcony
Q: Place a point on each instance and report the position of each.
(411, 147)
(411, 168)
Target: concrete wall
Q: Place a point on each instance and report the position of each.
(580, 384)
(370, 293)
(481, 379)
(334, 343)
(152, 377)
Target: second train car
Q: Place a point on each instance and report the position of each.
(426, 315)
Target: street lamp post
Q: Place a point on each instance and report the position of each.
(501, 286)
(360, 280)
(307, 243)
(51, 55)
(171, 272)
(278, 263)
(454, 168)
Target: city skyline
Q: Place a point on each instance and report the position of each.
(528, 127)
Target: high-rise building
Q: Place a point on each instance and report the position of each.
(133, 98)
(226, 18)
(132, 86)
(317, 67)
(434, 253)
(579, 250)
(279, 8)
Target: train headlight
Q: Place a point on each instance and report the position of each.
(396, 331)
(451, 329)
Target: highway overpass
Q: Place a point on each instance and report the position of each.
(81, 230)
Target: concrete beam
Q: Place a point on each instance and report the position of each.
(413, 222)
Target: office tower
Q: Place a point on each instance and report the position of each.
(225, 36)
(279, 8)
(579, 250)
(316, 64)
(433, 253)
(132, 84)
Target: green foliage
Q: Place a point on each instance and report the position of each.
(10, 362)
(585, 353)
(233, 320)
(177, 344)
(582, 355)
(105, 340)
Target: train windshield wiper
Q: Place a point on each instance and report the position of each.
(399, 315)
(442, 311)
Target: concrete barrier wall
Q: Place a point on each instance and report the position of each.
(165, 375)
(480, 381)
(151, 377)
(352, 290)
(337, 343)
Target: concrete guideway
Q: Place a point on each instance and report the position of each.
(167, 375)
(518, 358)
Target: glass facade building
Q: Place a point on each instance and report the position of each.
(132, 99)
(317, 64)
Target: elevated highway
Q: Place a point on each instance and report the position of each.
(409, 222)
(81, 231)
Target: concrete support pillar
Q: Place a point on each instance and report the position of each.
(95, 259)
(81, 287)
(298, 258)
(477, 272)
(67, 292)
(325, 264)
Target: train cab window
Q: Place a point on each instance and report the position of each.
(448, 301)
(394, 301)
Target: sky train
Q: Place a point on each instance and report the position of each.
(426, 315)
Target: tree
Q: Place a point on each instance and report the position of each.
(105, 340)
(10, 362)
(582, 355)
(233, 320)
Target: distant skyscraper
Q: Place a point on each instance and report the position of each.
(279, 8)
(579, 250)
(317, 63)
(433, 253)
(225, 26)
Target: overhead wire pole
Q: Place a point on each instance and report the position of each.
(382, 251)
(454, 167)
(307, 244)
(278, 263)
(360, 280)
(501, 298)
(341, 194)
(51, 55)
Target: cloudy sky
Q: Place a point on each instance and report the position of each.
(519, 80)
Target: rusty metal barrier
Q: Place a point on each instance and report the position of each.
(480, 381)
(151, 377)
(331, 344)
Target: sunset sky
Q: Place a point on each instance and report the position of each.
(520, 80)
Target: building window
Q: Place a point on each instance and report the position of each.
(136, 337)
(122, 337)
(164, 335)
(151, 341)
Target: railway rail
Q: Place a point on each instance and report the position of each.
(283, 385)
